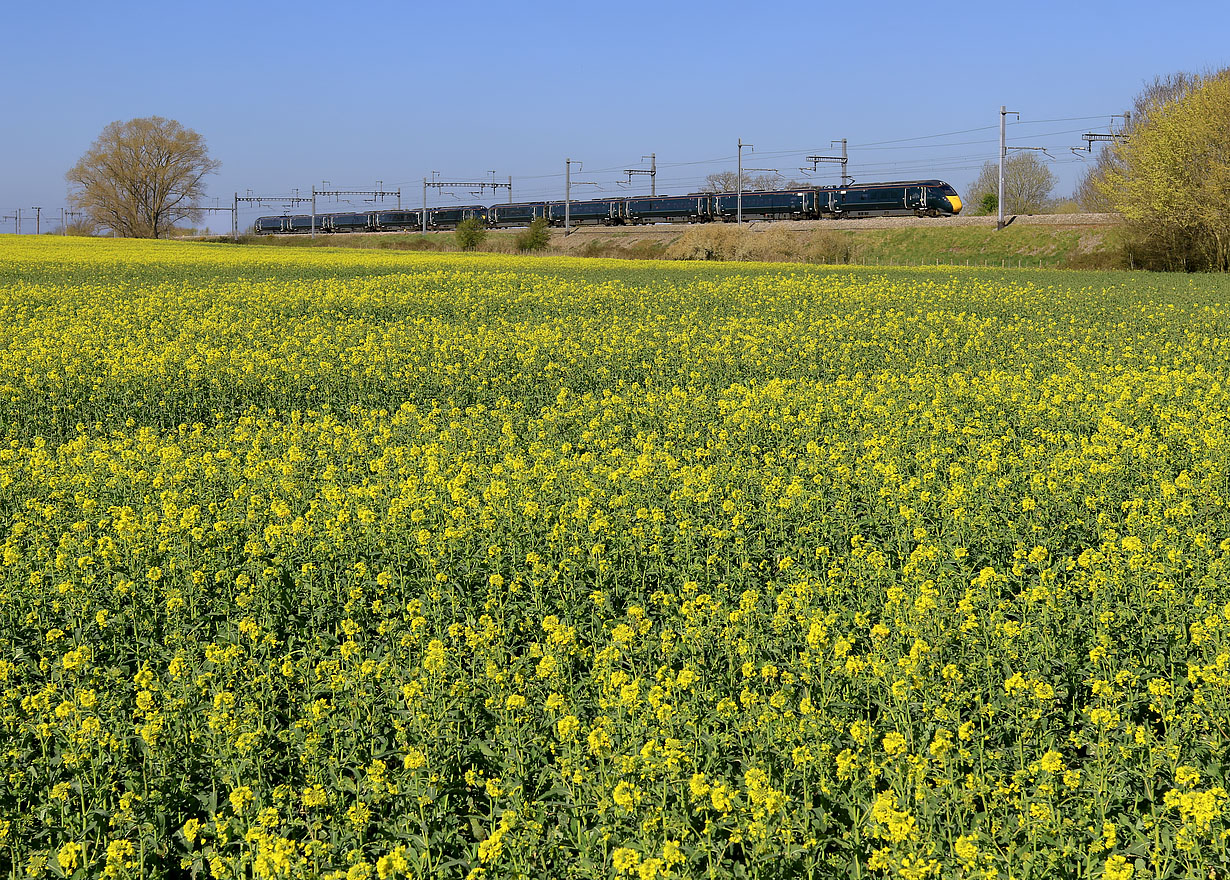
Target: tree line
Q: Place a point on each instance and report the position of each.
(1168, 177)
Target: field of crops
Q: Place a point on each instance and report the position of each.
(362, 565)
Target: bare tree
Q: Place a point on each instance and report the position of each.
(728, 181)
(1027, 186)
(141, 177)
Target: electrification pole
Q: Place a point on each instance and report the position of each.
(1092, 137)
(38, 217)
(480, 185)
(843, 159)
(739, 197)
(378, 193)
(1003, 156)
(652, 172)
(292, 201)
(568, 182)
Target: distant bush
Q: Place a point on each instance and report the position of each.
(535, 237)
(774, 245)
(1063, 206)
(620, 249)
(831, 247)
(471, 233)
(707, 242)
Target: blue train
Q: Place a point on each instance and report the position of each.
(922, 198)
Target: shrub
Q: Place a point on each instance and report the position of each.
(773, 245)
(471, 233)
(708, 242)
(535, 237)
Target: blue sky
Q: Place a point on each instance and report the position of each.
(291, 95)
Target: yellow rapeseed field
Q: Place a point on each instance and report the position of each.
(362, 565)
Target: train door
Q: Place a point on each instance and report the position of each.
(914, 198)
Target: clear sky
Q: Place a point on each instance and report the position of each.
(342, 95)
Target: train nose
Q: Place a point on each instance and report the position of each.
(955, 201)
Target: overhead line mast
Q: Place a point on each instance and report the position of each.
(378, 193)
(843, 159)
(652, 172)
(462, 184)
(1003, 157)
(1092, 137)
(288, 200)
(568, 192)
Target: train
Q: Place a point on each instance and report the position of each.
(922, 198)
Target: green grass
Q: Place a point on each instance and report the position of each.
(1018, 246)
(1094, 247)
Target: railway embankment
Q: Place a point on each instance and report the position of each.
(1078, 241)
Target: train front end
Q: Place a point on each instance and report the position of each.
(950, 202)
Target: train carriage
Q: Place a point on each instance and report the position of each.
(919, 197)
(694, 208)
(388, 220)
(448, 218)
(302, 222)
(516, 214)
(757, 205)
(349, 222)
(605, 211)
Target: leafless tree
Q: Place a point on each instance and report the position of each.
(728, 181)
(1027, 186)
(141, 177)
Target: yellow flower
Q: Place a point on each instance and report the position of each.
(566, 728)
(240, 798)
(624, 795)
(1118, 868)
(966, 848)
(69, 856)
(894, 743)
(625, 859)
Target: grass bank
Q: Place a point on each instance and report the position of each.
(1050, 246)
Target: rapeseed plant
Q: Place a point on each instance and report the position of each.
(372, 565)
